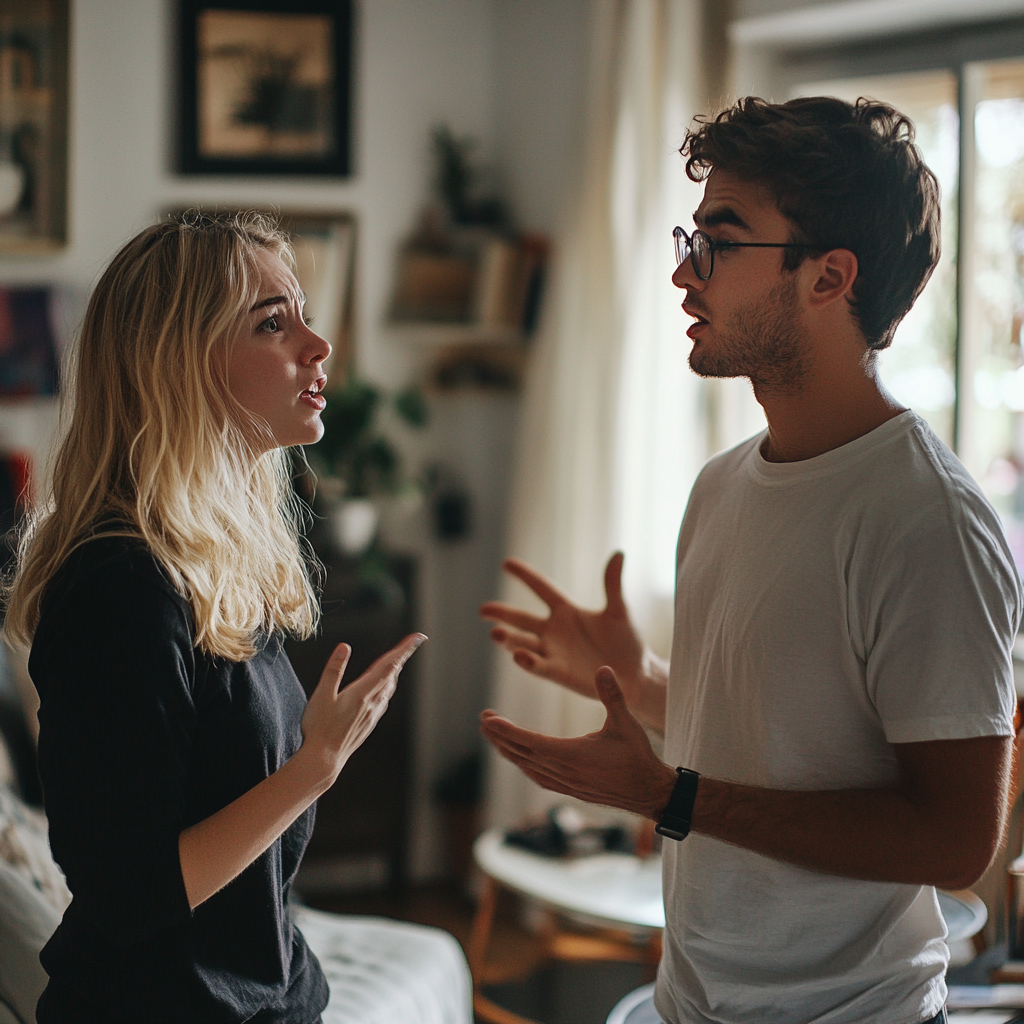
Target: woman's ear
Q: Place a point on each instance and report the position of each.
(836, 274)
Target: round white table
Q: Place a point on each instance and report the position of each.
(611, 889)
(617, 893)
(616, 888)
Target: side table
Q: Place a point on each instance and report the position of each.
(618, 892)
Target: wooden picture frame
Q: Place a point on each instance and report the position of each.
(33, 126)
(265, 87)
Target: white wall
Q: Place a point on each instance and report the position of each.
(506, 71)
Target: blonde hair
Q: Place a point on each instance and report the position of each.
(154, 446)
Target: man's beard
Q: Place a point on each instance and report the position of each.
(764, 342)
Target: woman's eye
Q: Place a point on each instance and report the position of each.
(269, 326)
(308, 321)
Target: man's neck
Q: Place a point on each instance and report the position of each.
(834, 405)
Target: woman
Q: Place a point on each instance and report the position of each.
(180, 760)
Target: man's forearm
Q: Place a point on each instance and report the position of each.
(875, 834)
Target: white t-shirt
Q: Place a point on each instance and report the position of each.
(825, 609)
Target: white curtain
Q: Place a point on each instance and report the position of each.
(612, 421)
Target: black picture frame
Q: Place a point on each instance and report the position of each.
(229, 61)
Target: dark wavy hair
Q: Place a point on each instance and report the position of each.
(848, 176)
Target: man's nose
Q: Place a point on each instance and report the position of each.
(684, 276)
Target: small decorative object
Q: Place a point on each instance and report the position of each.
(464, 266)
(564, 832)
(355, 522)
(33, 125)
(266, 86)
(450, 503)
(356, 462)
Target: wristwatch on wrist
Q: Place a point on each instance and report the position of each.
(675, 819)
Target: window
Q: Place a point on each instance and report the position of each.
(958, 357)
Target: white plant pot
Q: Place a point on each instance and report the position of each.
(12, 183)
(354, 523)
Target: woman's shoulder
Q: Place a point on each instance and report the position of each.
(113, 568)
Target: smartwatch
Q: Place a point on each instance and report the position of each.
(675, 819)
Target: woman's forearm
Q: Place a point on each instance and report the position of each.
(222, 846)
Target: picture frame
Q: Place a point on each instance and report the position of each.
(265, 87)
(33, 126)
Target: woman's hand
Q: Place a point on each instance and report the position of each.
(572, 643)
(336, 722)
(219, 847)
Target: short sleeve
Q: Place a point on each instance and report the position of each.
(942, 616)
(114, 665)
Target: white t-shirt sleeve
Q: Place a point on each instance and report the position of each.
(940, 620)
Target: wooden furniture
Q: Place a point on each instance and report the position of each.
(360, 836)
(618, 893)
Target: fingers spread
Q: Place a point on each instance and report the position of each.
(333, 671)
(394, 659)
(498, 611)
(608, 690)
(536, 743)
(540, 585)
(613, 582)
(513, 640)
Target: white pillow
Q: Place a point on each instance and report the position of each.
(25, 847)
(27, 921)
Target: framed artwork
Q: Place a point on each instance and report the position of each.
(265, 86)
(33, 125)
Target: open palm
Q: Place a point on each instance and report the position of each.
(571, 643)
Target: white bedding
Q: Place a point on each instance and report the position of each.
(384, 972)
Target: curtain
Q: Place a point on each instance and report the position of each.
(612, 425)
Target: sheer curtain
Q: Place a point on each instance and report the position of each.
(612, 422)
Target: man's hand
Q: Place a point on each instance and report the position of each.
(572, 643)
(615, 766)
(940, 826)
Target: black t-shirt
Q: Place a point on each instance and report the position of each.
(142, 735)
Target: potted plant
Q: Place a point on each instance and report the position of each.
(357, 463)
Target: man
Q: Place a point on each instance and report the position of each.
(845, 607)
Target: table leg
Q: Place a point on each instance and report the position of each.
(478, 940)
(481, 933)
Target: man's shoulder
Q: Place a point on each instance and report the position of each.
(913, 471)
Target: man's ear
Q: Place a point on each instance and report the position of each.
(836, 275)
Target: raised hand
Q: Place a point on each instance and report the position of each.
(615, 766)
(572, 643)
(336, 722)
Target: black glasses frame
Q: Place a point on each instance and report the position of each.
(700, 247)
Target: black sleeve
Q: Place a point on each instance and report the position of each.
(115, 668)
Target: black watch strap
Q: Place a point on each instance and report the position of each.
(675, 819)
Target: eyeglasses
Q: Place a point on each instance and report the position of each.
(701, 248)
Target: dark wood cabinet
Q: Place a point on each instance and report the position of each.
(360, 837)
